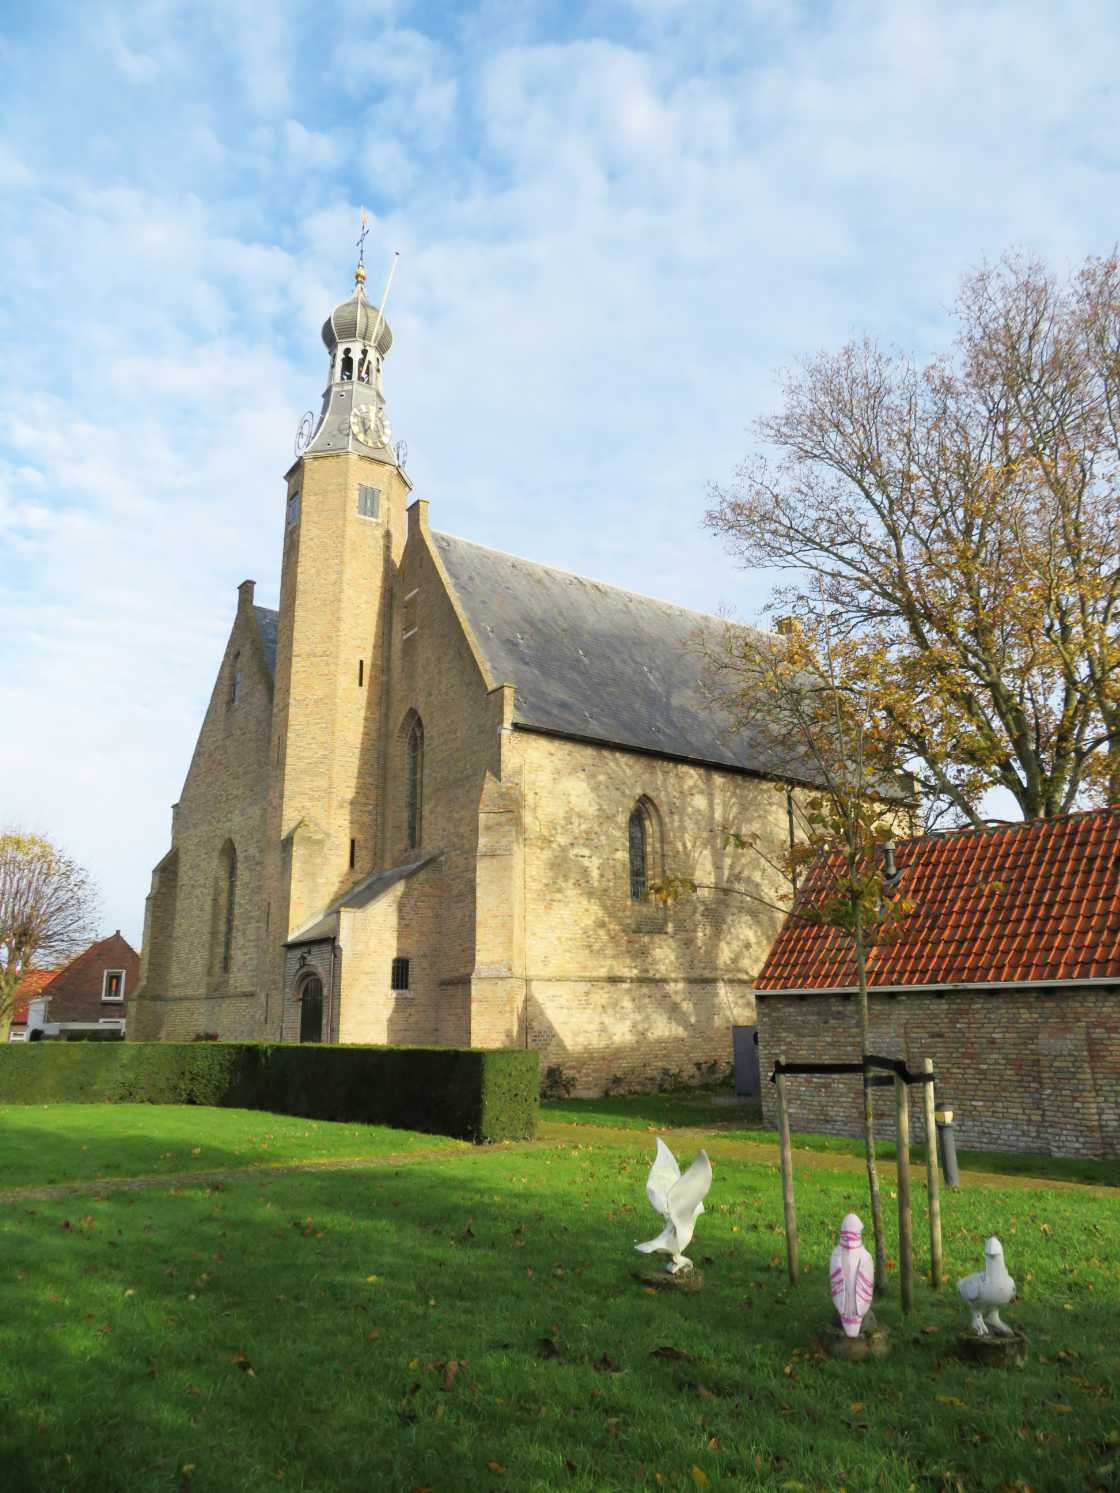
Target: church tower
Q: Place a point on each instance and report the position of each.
(344, 531)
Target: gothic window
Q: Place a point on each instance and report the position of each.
(229, 857)
(399, 976)
(639, 852)
(311, 1010)
(369, 501)
(414, 795)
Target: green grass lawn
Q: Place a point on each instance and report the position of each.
(91, 1142)
(470, 1322)
(701, 1110)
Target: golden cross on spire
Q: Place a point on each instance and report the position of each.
(360, 272)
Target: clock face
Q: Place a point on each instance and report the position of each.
(369, 425)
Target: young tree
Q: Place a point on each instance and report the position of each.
(47, 912)
(804, 700)
(963, 520)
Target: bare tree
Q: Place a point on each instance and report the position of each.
(47, 912)
(964, 522)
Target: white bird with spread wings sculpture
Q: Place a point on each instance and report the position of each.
(679, 1200)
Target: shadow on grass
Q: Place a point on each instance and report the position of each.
(305, 1326)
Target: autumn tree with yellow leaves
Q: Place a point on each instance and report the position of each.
(962, 520)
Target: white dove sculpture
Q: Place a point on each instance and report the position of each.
(679, 1200)
(987, 1291)
(851, 1276)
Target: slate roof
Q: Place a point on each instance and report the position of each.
(268, 625)
(596, 662)
(1016, 904)
(361, 894)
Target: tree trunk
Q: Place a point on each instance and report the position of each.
(869, 1123)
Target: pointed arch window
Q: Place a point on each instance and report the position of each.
(414, 794)
(230, 909)
(640, 845)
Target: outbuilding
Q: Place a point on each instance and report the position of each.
(1006, 973)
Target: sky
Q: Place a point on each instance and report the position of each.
(618, 224)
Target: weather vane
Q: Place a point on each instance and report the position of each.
(360, 272)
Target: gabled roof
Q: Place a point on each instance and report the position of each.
(594, 662)
(268, 625)
(1014, 904)
(361, 894)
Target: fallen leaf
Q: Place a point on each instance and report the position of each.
(243, 1364)
(449, 1375)
(678, 1355)
(700, 1477)
(951, 1400)
(1057, 1405)
(495, 1467)
(857, 1405)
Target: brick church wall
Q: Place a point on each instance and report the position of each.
(626, 993)
(1034, 1070)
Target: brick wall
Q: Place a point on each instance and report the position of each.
(1023, 1070)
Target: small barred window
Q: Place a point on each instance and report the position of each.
(400, 975)
(369, 501)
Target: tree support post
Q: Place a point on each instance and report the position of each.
(905, 1222)
(933, 1179)
(786, 1153)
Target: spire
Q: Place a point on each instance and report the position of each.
(357, 338)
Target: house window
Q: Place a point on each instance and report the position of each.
(235, 680)
(369, 501)
(112, 985)
(415, 785)
(399, 978)
(293, 509)
(639, 853)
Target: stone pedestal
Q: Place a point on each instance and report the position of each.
(873, 1341)
(993, 1351)
(661, 1280)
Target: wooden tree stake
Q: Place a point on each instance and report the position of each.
(933, 1181)
(786, 1152)
(905, 1223)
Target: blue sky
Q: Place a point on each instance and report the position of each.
(618, 223)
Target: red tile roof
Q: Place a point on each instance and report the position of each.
(27, 989)
(1014, 904)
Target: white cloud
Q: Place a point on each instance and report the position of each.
(609, 245)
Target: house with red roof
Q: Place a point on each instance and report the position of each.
(92, 990)
(1006, 974)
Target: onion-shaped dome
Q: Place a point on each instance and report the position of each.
(356, 319)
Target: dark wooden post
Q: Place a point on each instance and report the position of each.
(786, 1154)
(905, 1224)
(933, 1180)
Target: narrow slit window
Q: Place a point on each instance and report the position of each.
(399, 977)
(639, 854)
(361, 672)
(415, 785)
(235, 680)
(231, 904)
(293, 510)
(369, 501)
(353, 852)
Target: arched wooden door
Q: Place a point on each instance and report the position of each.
(311, 1010)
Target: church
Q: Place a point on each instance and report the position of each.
(433, 788)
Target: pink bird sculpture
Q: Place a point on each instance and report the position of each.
(851, 1276)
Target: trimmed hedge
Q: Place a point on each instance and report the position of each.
(478, 1094)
